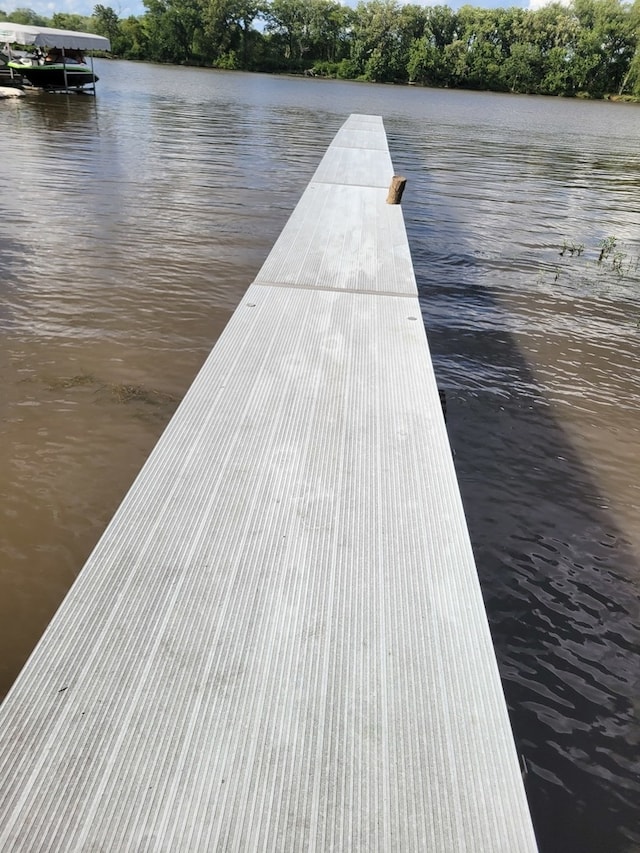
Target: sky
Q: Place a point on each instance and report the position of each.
(47, 8)
(124, 8)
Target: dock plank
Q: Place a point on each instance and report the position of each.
(343, 237)
(280, 643)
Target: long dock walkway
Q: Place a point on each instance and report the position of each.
(280, 642)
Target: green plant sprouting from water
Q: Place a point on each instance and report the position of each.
(621, 262)
(608, 262)
(611, 256)
(606, 247)
(571, 249)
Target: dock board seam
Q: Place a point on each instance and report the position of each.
(329, 289)
(381, 187)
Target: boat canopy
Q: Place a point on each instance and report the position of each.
(49, 37)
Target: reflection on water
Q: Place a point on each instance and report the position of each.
(135, 222)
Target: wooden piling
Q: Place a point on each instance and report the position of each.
(396, 188)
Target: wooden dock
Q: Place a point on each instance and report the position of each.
(280, 642)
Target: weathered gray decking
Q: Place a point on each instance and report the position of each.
(280, 642)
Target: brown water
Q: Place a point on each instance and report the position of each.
(134, 222)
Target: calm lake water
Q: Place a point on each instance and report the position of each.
(133, 223)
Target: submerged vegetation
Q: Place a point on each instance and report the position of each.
(590, 48)
(117, 392)
(610, 261)
(617, 258)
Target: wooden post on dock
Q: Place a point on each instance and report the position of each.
(398, 183)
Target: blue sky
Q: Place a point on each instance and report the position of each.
(124, 8)
(47, 8)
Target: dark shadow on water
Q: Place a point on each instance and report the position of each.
(556, 573)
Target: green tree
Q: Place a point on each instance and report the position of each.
(133, 40)
(484, 46)
(522, 69)
(228, 37)
(442, 25)
(604, 48)
(330, 23)
(68, 21)
(172, 26)
(631, 80)
(541, 44)
(26, 17)
(244, 14)
(426, 62)
(290, 23)
(106, 23)
(375, 46)
(454, 62)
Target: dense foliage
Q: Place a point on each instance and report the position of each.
(590, 48)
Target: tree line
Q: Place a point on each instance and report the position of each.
(590, 48)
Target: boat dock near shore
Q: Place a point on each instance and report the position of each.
(56, 63)
(280, 643)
